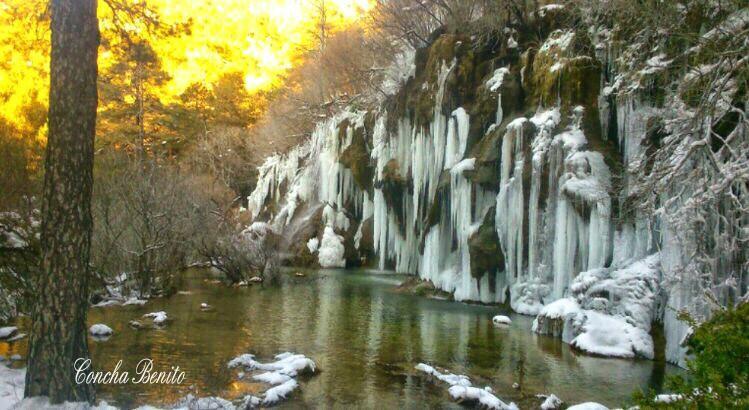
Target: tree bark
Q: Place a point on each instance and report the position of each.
(58, 332)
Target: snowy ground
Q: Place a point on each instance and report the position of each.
(280, 374)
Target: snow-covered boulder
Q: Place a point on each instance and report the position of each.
(609, 313)
(331, 251)
(159, 318)
(8, 331)
(100, 329)
(551, 402)
(501, 320)
(280, 373)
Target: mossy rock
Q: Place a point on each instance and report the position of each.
(416, 99)
(484, 248)
(420, 287)
(351, 254)
(483, 109)
(546, 21)
(394, 186)
(442, 195)
(357, 158)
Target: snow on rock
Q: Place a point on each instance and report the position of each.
(330, 254)
(588, 406)
(461, 389)
(449, 378)
(668, 398)
(278, 393)
(609, 312)
(135, 301)
(159, 318)
(281, 373)
(612, 336)
(526, 296)
(8, 331)
(497, 78)
(313, 244)
(100, 329)
(483, 396)
(501, 320)
(551, 402)
(549, 7)
(108, 302)
(120, 301)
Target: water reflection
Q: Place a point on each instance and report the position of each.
(365, 337)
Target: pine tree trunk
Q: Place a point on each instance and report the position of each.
(58, 333)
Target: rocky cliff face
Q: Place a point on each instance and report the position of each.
(501, 171)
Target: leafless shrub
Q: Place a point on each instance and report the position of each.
(245, 254)
(147, 218)
(228, 155)
(19, 257)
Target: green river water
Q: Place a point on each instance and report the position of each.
(365, 336)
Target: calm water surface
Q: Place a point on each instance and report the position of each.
(365, 336)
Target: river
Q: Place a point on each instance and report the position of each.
(365, 335)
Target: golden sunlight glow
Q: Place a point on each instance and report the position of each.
(259, 39)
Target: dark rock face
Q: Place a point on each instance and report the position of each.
(357, 158)
(306, 224)
(485, 249)
(394, 186)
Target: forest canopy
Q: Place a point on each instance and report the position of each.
(250, 45)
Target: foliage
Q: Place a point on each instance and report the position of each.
(719, 368)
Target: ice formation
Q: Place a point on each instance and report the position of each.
(557, 199)
(331, 250)
(461, 389)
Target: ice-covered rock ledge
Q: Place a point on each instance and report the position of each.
(609, 312)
